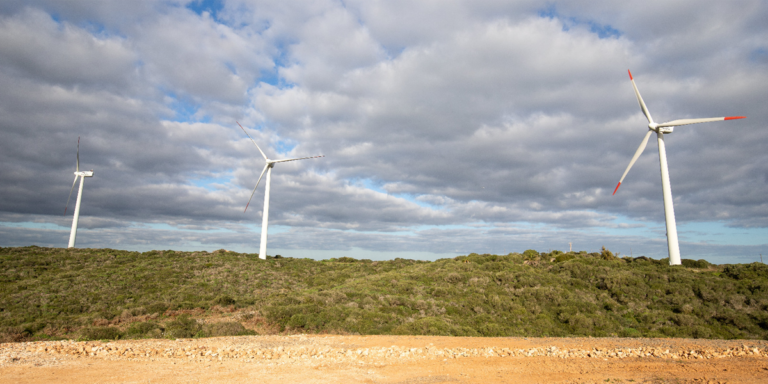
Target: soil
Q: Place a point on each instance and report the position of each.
(386, 359)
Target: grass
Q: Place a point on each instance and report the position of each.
(107, 294)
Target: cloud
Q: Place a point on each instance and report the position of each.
(447, 127)
(29, 41)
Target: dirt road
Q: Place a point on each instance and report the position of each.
(386, 359)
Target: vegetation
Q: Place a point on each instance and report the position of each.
(109, 294)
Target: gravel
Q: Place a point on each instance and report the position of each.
(314, 350)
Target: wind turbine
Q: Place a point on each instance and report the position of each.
(661, 129)
(81, 175)
(265, 216)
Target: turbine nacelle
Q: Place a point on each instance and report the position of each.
(661, 128)
(85, 173)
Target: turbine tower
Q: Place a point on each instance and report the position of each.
(265, 215)
(661, 129)
(82, 176)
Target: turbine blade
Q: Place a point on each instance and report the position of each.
(70, 195)
(77, 165)
(634, 158)
(254, 142)
(254, 188)
(300, 158)
(675, 123)
(640, 99)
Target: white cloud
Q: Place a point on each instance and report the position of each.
(195, 56)
(33, 45)
(448, 126)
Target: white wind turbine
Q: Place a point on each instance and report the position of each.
(81, 175)
(661, 129)
(265, 214)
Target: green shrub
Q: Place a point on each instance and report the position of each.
(432, 326)
(185, 305)
(630, 332)
(11, 335)
(454, 278)
(297, 321)
(182, 327)
(58, 291)
(156, 308)
(530, 254)
(688, 263)
(224, 300)
(752, 271)
(605, 254)
(101, 333)
(139, 330)
(225, 329)
(30, 329)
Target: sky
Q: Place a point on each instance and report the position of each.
(448, 127)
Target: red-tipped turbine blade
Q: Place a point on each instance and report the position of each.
(630, 74)
(639, 151)
(675, 123)
(617, 187)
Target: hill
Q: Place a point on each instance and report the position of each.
(49, 293)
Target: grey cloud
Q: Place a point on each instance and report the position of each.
(472, 117)
(195, 56)
(33, 45)
(96, 14)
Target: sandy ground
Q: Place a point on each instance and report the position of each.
(386, 359)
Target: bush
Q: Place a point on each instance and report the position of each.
(607, 255)
(688, 263)
(101, 333)
(141, 330)
(225, 329)
(50, 291)
(157, 308)
(224, 300)
(297, 321)
(752, 271)
(454, 278)
(11, 335)
(432, 326)
(530, 254)
(182, 327)
(630, 332)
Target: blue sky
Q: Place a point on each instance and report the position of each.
(448, 128)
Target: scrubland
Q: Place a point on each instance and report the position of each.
(107, 294)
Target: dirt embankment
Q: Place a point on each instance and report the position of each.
(386, 359)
